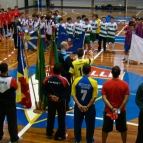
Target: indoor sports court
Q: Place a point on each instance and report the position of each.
(31, 126)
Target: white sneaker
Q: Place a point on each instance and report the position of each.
(19, 140)
(66, 135)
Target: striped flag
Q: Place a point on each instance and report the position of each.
(23, 92)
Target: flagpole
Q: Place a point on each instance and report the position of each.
(30, 73)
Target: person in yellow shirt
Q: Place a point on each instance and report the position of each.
(84, 93)
(98, 27)
(76, 70)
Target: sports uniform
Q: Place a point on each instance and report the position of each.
(112, 28)
(78, 28)
(87, 34)
(115, 91)
(70, 29)
(84, 88)
(103, 35)
(98, 28)
(76, 69)
(56, 85)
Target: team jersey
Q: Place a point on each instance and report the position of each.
(87, 27)
(84, 88)
(16, 13)
(49, 27)
(94, 25)
(8, 85)
(9, 17)
(70, 28)
(82, 21)
(139, 30)
(4, 15)
(22, 21)
(98, 28)
(76, 69)
(42, 25)
(78, 28)
(103, 30)
(57, 28)
(112, 28)
(36, 25)
(55, 85)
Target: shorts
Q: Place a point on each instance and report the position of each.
(93, 37)
(112, 40)
(121, 125)
(126, 46)
(87, 40)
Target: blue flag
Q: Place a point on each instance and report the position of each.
(73, 42)
(31, 39)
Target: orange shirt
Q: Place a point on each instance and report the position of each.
(115, 91)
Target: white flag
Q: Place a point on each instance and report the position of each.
(136, 50)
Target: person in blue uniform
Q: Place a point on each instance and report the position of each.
(84, 93)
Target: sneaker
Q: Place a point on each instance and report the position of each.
(93, 141)
(18, 141)
(123, 59)
(61, 138)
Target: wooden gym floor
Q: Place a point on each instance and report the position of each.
(37, 135)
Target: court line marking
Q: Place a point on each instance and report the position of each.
(28, 125)
(138, 13)
(95, 57)
(98, 118)
(121, 30)
(17, 62)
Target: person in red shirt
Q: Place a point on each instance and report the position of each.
(16, 12)
(115, 94)
(4, 15)
(1, 26)
(9, 19)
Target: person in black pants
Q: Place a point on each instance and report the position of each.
(66, 61)
(139, 102)
(15, 23)
(55, 87)
(8, 85)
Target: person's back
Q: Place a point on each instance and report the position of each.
(77, 65)
(84, 89)
(115, 91)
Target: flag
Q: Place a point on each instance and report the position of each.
(30, 39)
(53, 57)
(40, 70)
(73, 42)
(136, 50)
(23, 92)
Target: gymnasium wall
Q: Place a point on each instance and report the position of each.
(88, 3)
(12, 3)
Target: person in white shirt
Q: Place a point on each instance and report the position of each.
(60, 22)
(94, 25)
(49, 24)
(57, 12)
(69, 26)
(82, 20)
(103, 34)
(78, 27)
(22, 20)
(88, 29)
(112, 28)
(36, 22)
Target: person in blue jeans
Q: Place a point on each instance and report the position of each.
(84, 93)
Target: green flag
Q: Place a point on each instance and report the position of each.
(41, 72)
